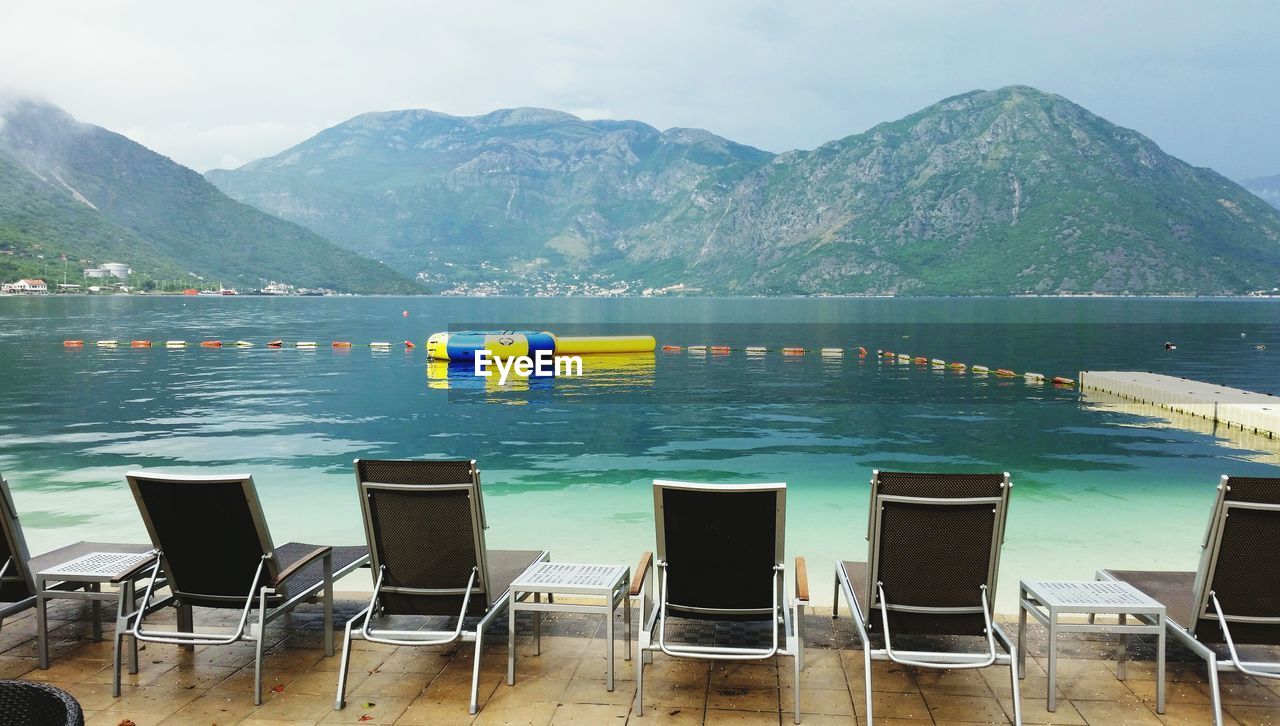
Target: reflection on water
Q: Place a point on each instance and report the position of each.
(570, 470)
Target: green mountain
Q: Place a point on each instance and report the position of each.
(1006, 191)
(517, 194)
(76, 190)
(1266, 187)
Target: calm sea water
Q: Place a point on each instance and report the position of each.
(568, 463)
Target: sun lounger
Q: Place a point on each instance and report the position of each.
(425, 525)
(934, 554)
(1233, 599)
(720, 560)
(216, 552)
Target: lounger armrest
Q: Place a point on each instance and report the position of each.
(301, 562)
(642, 569)
(802, 580)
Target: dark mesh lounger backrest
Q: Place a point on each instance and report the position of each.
(1241, 562)
(210, 531)
(421, 518)
(721, 544)
(936, 552)
(17, 583)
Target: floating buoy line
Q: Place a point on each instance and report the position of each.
(272, 344)
(753, 351)
(937, 364)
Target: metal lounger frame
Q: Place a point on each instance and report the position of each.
(15, 567)
(479, 573)
(1207, 604)
(186, 634)
(875, 597)
(789, 614)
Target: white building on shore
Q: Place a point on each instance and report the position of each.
(25, 287)
(109, 269)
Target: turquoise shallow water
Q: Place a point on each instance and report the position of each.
(567, 464)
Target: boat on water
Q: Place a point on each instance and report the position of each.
(220, 291)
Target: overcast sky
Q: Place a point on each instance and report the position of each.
(219, 84)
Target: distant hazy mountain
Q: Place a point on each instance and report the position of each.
(1266, 187)
(73, 189)
(1006, 191)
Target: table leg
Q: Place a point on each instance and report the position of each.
(1022, 634)
(1124, 648)
(95, 612)
(1053, 661)
(186, 623)
(117, 638)
(511, 639)
(42, 625)
(608, 629)
(1160, 665)
(537, 625)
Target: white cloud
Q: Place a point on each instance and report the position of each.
(236, 80)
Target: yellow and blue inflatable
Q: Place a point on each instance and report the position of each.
(461, 346)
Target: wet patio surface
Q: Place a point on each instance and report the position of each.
(565, 684)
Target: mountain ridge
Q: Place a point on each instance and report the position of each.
(1008, 191)
(177, 224)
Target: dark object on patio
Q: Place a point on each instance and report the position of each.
(425, 524)
(216, 552)
(720, 560)
(37, 704)
(931, 570)
(1234, 598)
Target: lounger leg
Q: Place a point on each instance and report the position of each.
(328, 605)
(866, 676)
(475, 672)
(130, 602)
(626, 627)
(257, 647)
(185, 622)
(799, 639)
(640, 680)
(795, 683)
(341, 700)
(1213, 690)
(1014, 654)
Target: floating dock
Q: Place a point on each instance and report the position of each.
(1232, 407)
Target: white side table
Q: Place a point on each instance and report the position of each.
(1046, 600)
(608, 582)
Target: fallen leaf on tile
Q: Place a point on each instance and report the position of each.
(278, 689)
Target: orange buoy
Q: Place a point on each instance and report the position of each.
(342, 344)
(920, 359)
(408, 345)
(672, 348)
(793, 351)
(889, 354)
(1059, 380)
(275, 344)
(73, 344)
(140, 344)
(862, 352)
(211, 344)
(720, 349)
(1005, 372)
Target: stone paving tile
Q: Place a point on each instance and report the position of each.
(565, 684)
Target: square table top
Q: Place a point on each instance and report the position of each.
(1091, 596)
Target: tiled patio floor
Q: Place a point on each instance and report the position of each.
(565, 685)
